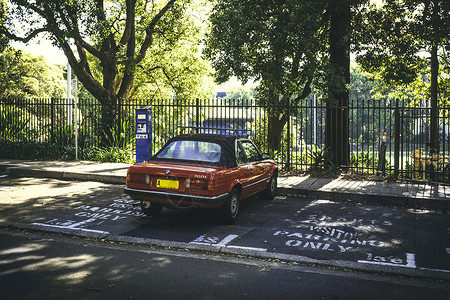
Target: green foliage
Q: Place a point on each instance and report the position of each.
(3, 16)
(363, 159)
(364, 93)
(444, 80)
(30, 150)
(393, 38)
(25, 75)
(13, 124)
(64, 136)
(122, 148)
(123, 136)
(361, 85)
(125, 48)
(173, 66)
(276, 42)
(241, 95)
(110, 154)
(319, 156)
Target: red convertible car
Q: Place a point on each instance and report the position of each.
(203, 170)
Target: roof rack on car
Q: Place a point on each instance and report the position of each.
(215, 130)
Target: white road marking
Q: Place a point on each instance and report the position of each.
(227, 239)
(247, 248)
(211, 241)
(410, 262)
(214, 241)
(437, 270)
(73, 227)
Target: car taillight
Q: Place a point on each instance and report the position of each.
(211, 185)
(199, 184)
(138, 178)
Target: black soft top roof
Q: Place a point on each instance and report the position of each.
(227, 142)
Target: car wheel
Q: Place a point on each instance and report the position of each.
(230, 208)
(271, 190)
(151, 209)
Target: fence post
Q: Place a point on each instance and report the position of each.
(119, 121)
(396, 139)
(197, 114)
(382, 155)
(52, 120)
(289, 152)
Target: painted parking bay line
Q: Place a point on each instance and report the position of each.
(246, 248)
(215, 241)
(74, 226)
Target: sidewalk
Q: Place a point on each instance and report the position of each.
(413, 195)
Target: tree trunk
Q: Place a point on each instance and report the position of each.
(434, 132)
(337, 113)
(110, 123)
(276, 125)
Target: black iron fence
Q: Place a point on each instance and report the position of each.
(406, 129)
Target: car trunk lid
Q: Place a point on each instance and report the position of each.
(168, 176)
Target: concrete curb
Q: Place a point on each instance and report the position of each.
(419, 273)
(387, 200)
(29, 172)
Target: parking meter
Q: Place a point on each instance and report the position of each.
(143, 134)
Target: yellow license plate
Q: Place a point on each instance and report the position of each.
(167, 184)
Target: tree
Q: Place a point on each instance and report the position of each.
(341, 16)
(3, 39)
(241, 95)
(337, 82)
(286, 46)
(394, 38)
(114, 36)
(174, 66)
(25, 75)
(271, 41)
(362, 89)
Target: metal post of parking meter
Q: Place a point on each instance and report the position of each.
(143, 134)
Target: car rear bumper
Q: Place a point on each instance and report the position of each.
(176, 199)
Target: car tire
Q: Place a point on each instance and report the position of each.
(151, 210)
(271, 190)
(230, 209)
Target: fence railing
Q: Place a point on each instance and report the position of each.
(302, 144)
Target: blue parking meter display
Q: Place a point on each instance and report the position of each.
(143, 134)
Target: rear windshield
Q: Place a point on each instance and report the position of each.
(191, 150)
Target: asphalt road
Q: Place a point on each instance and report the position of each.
(312, 231)
(47, 266)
